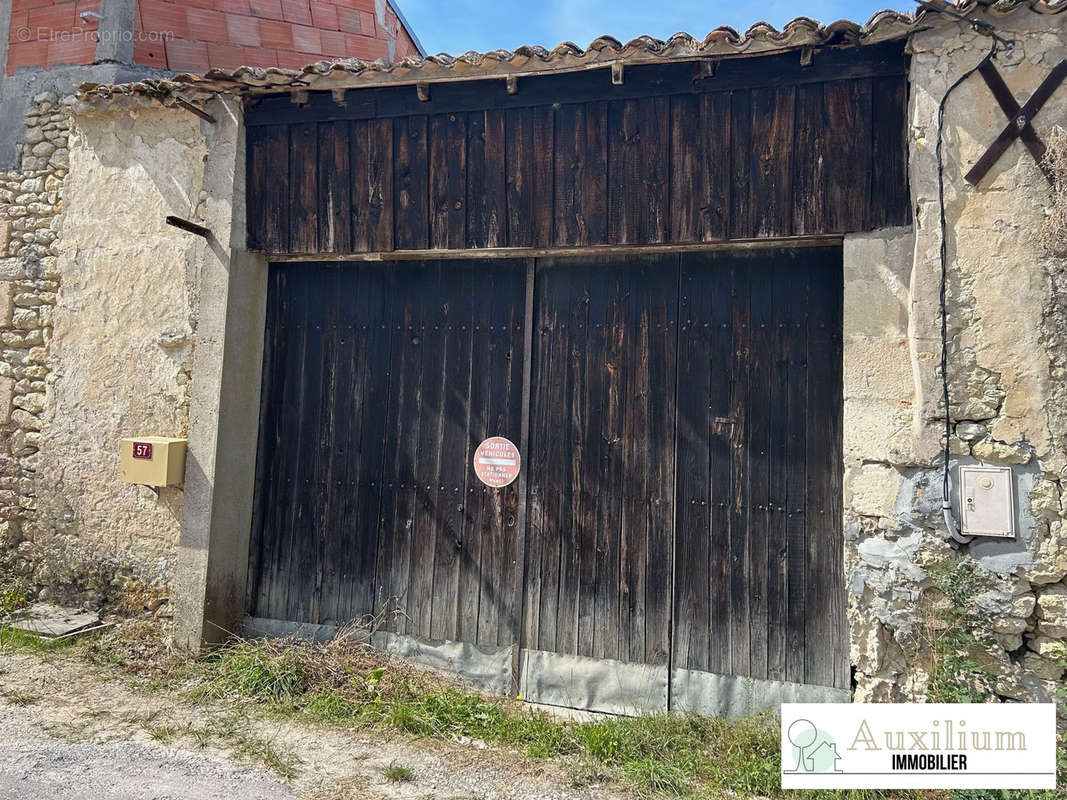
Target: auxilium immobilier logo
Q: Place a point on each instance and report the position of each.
(918, 746)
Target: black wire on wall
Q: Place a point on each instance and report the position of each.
(946, 501)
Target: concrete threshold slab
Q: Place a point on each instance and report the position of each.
(53, 622)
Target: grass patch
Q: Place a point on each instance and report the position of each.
(399, 773)
(164, 734)
(12, 640)
(20, 698)
(347, 684)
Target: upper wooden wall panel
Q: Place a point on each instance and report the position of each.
(699, 161)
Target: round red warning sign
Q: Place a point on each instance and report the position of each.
(496, 461)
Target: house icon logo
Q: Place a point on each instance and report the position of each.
(813, 750)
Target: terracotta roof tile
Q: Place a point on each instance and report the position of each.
(723, 42)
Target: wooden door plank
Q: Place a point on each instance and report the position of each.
(476, 531)
(449, 486)
(742, 214)
(542, 549)
(507, 335)
(372, 185)
(411, 188)
(581, 517)
(544, 189)
(740, 619)
(406, 371)
(324, 541)
(614, 342)
(530, 156)
(283, 488)
(554, 415)
(263, 537)
(448, 188)
(424, 315)
(778, 430)
(520, 170)
(848, 155)
(580, 174)
(810, 161)
(771, 169)
(303, 189)
(522, 576)
(700, 168)
(796, 481)
(335, 188)
(486, 177)
(268, 188)
(353, 597)
(757, 487)
(723, 427)
(304, 439)
(824, 664)
(890, 199)
(693, 528)
(662, 485)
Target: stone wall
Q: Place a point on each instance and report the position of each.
(98, 346)
(912, 590)
(30, 206)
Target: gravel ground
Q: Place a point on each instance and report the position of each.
(72, 731)
(35, 765)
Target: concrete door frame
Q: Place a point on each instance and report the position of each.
(212, 568)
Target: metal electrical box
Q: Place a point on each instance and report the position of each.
(152, 461)
(986, 501)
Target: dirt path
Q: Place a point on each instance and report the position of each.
(67, 731)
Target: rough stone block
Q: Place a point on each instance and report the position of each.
(7, 392)
(991, 450)
(874, 490)
(7, 303)
(1052, 604)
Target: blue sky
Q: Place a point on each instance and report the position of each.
(455, 26)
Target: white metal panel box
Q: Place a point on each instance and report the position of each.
(987, 502)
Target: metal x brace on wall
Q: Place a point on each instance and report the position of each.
(1019, 120)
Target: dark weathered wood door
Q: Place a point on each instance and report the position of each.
(758, 540)
(380, 380)
(681, 426)
(601, 474)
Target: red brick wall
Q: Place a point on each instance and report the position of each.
(45, 33)
(195, 35)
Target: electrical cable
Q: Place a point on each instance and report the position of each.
(946, 502)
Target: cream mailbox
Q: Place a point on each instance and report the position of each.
(152, 461)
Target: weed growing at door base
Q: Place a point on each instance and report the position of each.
(346, 683)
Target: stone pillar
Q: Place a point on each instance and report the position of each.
(116, 31)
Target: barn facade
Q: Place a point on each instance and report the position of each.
(695, 282)
(608, 267)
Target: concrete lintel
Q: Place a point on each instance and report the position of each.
(212, 564)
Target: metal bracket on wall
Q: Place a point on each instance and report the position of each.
(189, 227)
(1019, 119)
(183, 103)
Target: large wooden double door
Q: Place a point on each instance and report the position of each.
(679, 417)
